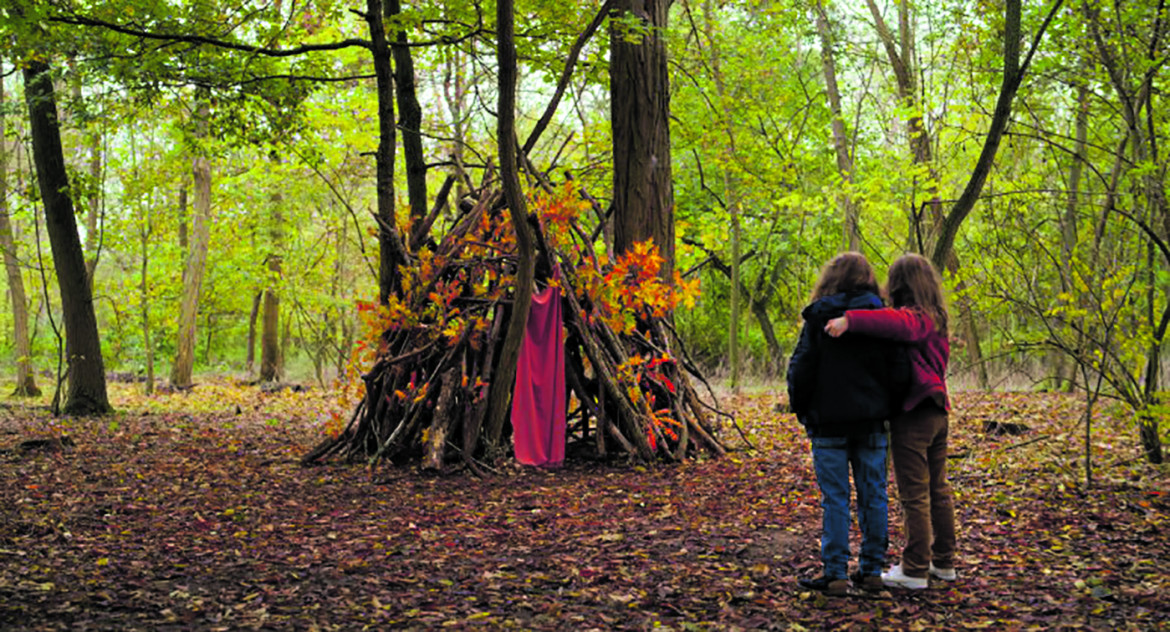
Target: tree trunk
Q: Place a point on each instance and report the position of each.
(270, 365)
(87, 376)
(409, 121)
(392, 251)
(1013, 75)
(923, 230)
(196, 262)
(1066, 371)
(253, 318)
(1144, 151)
(93, 216)
(144, 289)
(850, 210)
(730, 193)
(26, 385)
(183, 236)
(643, 193)
(504, 376)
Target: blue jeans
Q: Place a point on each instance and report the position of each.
(832, 459)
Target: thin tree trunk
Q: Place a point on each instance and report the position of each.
(270, 365)
(184, 238)
(1013, 75)
(94, 213)
(144, 288)
(454, 93)
(392, 251)
(409, 120)
(924, 230)
(1066, 371)
(504, 375)
(643, 193)
(196, 263)
(731, 193)
(87, 376)
(26, 385)
(850, 210)
(253, 318)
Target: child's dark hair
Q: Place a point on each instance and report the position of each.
(914, 282)
(847, 272)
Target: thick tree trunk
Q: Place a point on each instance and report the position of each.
(504, 375)
(392, 251)
(850, 210)
(87, 377)
(196, 262)
(409, 121)
(643, 193)
(26, 385)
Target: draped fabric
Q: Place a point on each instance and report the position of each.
(538, 402)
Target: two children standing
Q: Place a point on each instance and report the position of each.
(843, 388)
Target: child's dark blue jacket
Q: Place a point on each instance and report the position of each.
(849, 385)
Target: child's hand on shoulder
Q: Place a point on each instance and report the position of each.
(837, 326)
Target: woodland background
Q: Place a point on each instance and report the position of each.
(221, 159)
(236, 170)
(1063, 258)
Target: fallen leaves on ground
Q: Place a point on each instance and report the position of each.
(190, 511)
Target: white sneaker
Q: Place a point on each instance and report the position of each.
(894, 578)
(945, 574)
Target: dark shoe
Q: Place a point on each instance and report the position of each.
(827, 585)
(868, 583)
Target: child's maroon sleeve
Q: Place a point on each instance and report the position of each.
(896, 324)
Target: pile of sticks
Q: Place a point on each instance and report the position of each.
(425, 396)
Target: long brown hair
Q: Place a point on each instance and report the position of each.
(915, 283)
(847, 272)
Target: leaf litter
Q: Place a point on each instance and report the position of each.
(190, 511)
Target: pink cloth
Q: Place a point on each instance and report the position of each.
(538, 401)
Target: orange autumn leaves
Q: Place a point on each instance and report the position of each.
(446, 299)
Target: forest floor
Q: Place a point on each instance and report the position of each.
(191, 512)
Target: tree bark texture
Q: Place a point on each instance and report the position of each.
(26, 385)
(196, 262)
(270, 356)
(86, 393)
(392, 251)
(504, 375)
(409, 119)
(643, 191)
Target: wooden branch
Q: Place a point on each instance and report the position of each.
(419, 233)
(566, 74)
(441, 420)
(76, 20)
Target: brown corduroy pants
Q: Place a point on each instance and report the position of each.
(919, 445)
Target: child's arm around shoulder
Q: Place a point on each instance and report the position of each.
(906, 325)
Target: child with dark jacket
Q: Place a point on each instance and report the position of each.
(843, 391)
(919, 431)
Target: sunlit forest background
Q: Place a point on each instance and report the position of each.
(785, 118)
